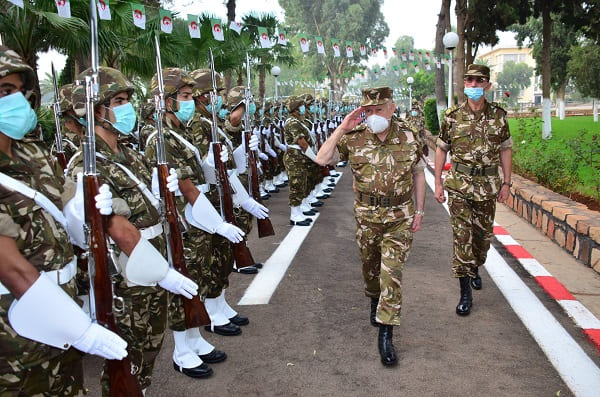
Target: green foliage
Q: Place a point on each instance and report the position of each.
(431, 117)
(513, 78)
(585, 69)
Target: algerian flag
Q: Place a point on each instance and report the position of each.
(404, 69)
(427, 65)
(395, 51)
(320, 46)
(396, 72)
(438, 63)
(236, 26)
(374, 52)
(427, 55)
(385, 52)
(416, 65)
(363, 50)
(403, 56)
(375, 71)
(103, 10)
(64, 8)
(166, 20)
(18, 3)
(349, 52)
(336, 47)
(217, 30)
(139, 15)
(411, 55)
(263, 36)
(282, 38)
(383, 72)
(193, 26)
(303, 42)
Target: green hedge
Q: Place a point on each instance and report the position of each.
(431, 117)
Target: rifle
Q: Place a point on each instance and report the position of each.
(265, 164)
(273, 160)
(195, 312)
(265, 228)
(60, 151)
(318, 130)
(102, 308)
(243, 257)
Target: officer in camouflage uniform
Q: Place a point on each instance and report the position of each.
(385, 156)
(72, 126)
(476, 132)
(417, 118)
(136, 226)
(44, 321)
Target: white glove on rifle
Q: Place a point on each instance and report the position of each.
(230, 232)
(282, 146)
(177, 283)
(173, 181)
(253, 207)
(271, 152)
(210, 159)
(253, 142)
(263, 156)
(104, 200)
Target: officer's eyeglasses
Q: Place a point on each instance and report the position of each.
(480, 80)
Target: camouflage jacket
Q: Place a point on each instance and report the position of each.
(475, 142)
(200, 133)
(39, 238)
(383, 168)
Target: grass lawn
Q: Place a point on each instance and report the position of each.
(568, 163)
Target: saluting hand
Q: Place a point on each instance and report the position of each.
(353, 119)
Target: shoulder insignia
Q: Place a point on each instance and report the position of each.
(451, 110)
(498, 106)
(358, 128)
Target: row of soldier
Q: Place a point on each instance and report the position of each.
(43, 219)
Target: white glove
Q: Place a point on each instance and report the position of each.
(253, 207)
(102, 342)
(177, 283)
(282, 146)
(253, 142)
(104, 200)
(263, 156)
(172, 181)
(230, 232)
(271, 152)
(210, 159)
(155, 185)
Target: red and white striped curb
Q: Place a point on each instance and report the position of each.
(582, 317)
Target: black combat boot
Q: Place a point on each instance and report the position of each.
(466, 298)
(476, 281)
(386, 346)
(374, 303)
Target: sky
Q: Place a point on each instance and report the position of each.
(404, 17)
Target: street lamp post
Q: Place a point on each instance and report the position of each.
(450, 41)
(410, 81)
(276, 71)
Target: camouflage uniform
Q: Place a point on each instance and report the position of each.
(384, 169)
(475, 142)
(295, 162)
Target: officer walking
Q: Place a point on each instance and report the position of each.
(476, 133)
(385, 157)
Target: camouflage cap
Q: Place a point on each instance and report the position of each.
(308, 99)
(293, 103)
(147, 109)
(376, 96)
(173, 80)
(64, 97)
(11, 62)
(203, 79)
(416, 104)
(235, 97)
(478, 71)
(111, 82)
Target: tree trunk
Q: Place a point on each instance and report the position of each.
(546, 70)
(240, 78)
(560, 100)
(440, 89)
(230, 10)
(595, 110)
(261, 84)
(227, 74)
(459, 64)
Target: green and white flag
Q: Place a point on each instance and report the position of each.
(396, 71)
(103, 10)
(404, 69)
(18, 3)
(349, 52)
(193, 26)
(374, 52)
(166, 20)
(263, 36)
(236, 27)
(139, 15)
(282, 38)
(64, 8)
(304, 42)
(416, 65)
(217, 30)
(320, 45)
(336, 47)
(363, 50)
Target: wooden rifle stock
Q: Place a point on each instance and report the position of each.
(195, 312)
(274, 161)
(266, 164)
(62, 159)
(265, 228)
(122, 382)
(243, 257)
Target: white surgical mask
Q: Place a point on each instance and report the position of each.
(377, 123)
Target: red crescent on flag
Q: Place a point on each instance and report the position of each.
(320, 43)
(137, 14)
(362, 47)
(264, 36)
(336, 46)
(166, 20)
(61, 3)
(217, 27)
(303, 40)
(194, 25)
(281, 36)
(102, 4)
(349, 48)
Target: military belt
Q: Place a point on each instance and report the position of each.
(383, 201)
(61, 276)
(475, 171)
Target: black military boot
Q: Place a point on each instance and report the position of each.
(476, 281)
(386, 346)
(466, 298)
(374, 303)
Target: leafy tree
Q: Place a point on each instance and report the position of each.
(584, 66)
(513, 78)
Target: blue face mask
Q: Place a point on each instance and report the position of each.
(217, 107)
(280, 112)
(82, 121)
(186, 110)
(312, 109)
(302, 109)
(413, 113)
(474, 93)
(17, 118)
(223, 113)
(271, 111)
(125, 118)
(252, 109)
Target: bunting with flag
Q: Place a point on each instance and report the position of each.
(18, 3)
(103, 10)
(139, 15)
(396, 71)
(282, 38)
(363, 50)
(303, 42)
(320, 45)
(403, 56)
(411, 55)
(236, 27)
(193, 26)
(395, 51)
(385, 52)
(374, 52)
(416, 66)
(438, 63)
(166, 20)
(263, 36)
(427, 65)
(349, 52)
(404, 69)
(217, 30)
(336, 47)
(63, 7)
